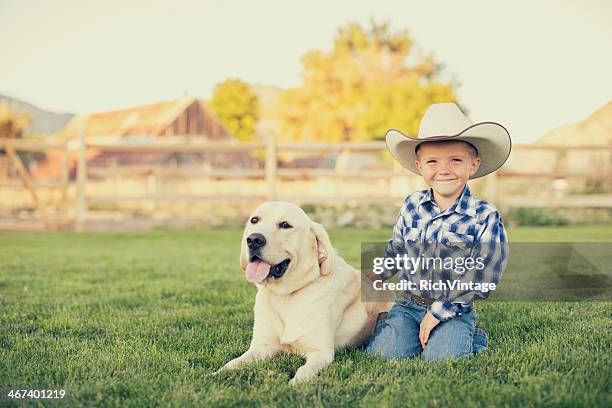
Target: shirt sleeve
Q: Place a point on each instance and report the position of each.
(489, 250)
(395, 244)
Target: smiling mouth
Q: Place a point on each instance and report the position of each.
(279, 269)
(274, 271)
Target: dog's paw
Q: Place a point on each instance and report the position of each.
(301, 376)
(299, 380)
(215, 373)
(295, 381)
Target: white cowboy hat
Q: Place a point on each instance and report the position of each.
(444, 121)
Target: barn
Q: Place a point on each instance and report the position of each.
(186, 120)
(181, 120)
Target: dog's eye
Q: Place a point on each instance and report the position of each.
(285, 225)
(254, 220)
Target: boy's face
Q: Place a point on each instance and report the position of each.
(446, 166)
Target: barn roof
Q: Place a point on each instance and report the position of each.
(140, 120)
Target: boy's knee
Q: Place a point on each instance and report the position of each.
(388, 348)
(453, 350)
(437, 355)
(396, 336)
(388, 351)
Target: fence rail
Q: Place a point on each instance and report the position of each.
(79, 184)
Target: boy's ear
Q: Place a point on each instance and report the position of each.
(475, 166)
(418, 165)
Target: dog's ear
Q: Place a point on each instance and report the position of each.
(325, 251)
(244, 254)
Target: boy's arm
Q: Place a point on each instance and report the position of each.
(396, 244)
(492, 246)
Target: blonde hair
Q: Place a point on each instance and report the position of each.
(470, 147)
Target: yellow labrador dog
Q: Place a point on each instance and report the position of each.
(308, 298)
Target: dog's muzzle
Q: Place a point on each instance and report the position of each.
(255, 242)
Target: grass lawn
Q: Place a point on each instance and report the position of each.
(142, 319)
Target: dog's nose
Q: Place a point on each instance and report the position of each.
(255, 241)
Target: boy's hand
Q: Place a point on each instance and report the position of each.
(427, 325)
(371, 275)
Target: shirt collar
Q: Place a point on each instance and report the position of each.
(465, 204)
(427, 197)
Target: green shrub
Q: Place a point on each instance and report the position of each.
(536, 216)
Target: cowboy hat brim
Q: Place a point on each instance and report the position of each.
(491, 139)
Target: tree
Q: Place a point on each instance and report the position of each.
(237, 107)
(13, 122)
(362, 87)
(13, 125)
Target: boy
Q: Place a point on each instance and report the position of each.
(438, 322)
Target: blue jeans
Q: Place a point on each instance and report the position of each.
(397, 336)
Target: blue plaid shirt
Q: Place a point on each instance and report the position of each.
(470, 225)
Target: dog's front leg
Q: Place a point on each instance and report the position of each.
(315, 361)
(254, 353)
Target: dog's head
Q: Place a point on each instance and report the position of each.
(283, 249)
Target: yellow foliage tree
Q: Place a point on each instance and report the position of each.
(13, 122)
(362, 87)
(237, 107)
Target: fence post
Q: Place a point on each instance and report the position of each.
(271, 166)
(65, 177)
(27, 183)
(491, 187)
(81, 206)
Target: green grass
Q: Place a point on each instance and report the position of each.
(142, 319)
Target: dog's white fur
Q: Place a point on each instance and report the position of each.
(315, 308)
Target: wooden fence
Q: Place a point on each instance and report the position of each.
(76, 194)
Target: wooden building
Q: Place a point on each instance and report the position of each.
(181, 121)
(186, 118)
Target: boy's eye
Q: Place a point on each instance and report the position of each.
(457, 160)
(430, 161)
(285, 225)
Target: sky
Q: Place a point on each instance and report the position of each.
(530, 65)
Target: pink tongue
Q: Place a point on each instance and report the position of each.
(257, 271)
